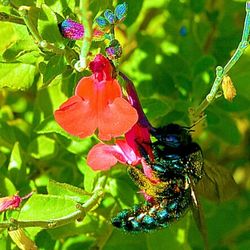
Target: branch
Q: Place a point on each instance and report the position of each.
(79, 214)
(222, 72)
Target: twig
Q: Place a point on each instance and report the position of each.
(220, 71)
(79, 214)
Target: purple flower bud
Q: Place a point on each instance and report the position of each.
(71, 29)
(114, 50)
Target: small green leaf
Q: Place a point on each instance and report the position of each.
(47, 207)
(89, 174)
(48, 26)
(16, 166)
(42, 147)
(63, 189)
(16, 76)
(7, 187)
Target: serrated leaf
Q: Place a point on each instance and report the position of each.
(47, 207)
(42, 147)
(63, 189)
(16, 76)
(48, 26)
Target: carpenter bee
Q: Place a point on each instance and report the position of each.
(177, 165)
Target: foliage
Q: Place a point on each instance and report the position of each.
(170, 51)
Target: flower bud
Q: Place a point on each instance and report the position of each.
(110, 16)
(121, 11)
(71, 29)
(228, 88)
(114, 50)
(101, 22)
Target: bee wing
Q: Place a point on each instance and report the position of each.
(217, 184)
(198, 213)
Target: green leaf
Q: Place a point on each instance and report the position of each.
(63, 189)
(54, 67)
(47, 207)
(134, 8)
(16, 167)
(154, 108)
(89, 174)
(7, 135)
(7, 187)
(16, 76)
(18, 49)
(42, 147)
(48, 26)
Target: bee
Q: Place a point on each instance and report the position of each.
(177, 164)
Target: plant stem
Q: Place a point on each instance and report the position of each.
(78, 214)
(4, 17)
(220, 71)
(87, 38)
(23, 10)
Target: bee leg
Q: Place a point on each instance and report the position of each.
(143, 183)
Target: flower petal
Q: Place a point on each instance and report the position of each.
(76, 117)
(101, 157)
(117, 118)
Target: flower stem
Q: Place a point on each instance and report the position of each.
(87, 38)
(78, 214)
(220, 71)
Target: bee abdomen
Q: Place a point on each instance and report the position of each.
(147, 217)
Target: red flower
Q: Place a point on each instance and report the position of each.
(97, 104)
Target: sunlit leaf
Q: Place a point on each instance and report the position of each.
(16, 76)
(47, 207)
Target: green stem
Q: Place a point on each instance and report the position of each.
(4, 17)
(220, 71)
(87, 39)
(23, 10)
(79, 214)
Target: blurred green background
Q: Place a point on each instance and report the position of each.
(170, 51)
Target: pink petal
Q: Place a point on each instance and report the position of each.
(100, 157)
